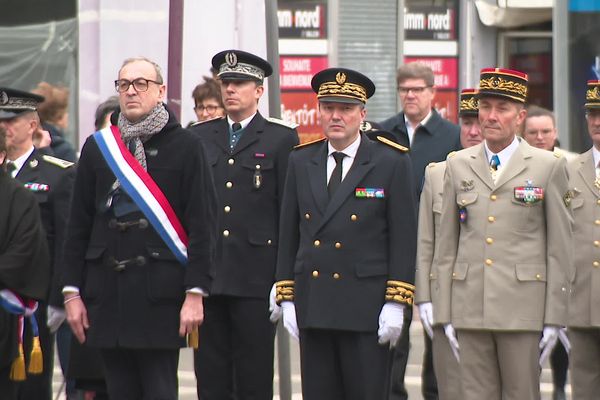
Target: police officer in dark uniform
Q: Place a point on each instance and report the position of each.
(346, 258)
(50, 179)
(248, 154)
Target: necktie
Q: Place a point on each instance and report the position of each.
(235, 134)
(336, 175)
(10, 168)
(494, 164)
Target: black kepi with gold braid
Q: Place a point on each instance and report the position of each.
(469, 104)
(592, 94)
(342, 85)
(500, 82)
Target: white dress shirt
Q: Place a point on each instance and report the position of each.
(347, 161)
(19, 162)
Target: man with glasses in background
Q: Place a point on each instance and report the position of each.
(140, 240)
(430, 138)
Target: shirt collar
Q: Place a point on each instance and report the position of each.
(349, 151)
(244, 123)
(505, 154)
(19, 162)
(423, 121)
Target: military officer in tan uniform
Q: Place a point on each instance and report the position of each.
(584, 302)
(504, 243)
(445, 364)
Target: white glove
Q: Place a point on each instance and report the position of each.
(451, 335)
(391, 319)
(426, 314)
(290, 323)
(564, 339)
(274, 308)
(56, 316)
(549, 338)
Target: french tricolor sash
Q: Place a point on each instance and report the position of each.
(142, 189)
(23, 308)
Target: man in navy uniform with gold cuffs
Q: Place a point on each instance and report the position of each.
(505, 249)
(248, 155)
(346, 259)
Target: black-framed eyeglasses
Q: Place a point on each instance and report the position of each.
(416, 90)
(209, 109)
(139, 84)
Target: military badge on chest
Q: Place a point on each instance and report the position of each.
(369, 193)
(466, 185)
(257, 178)
(529, 194)
(37, 187)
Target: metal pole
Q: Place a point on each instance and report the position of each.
(400, 44)
(560, 71)
(272, 31)
(175, 56)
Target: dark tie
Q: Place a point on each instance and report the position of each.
(235, 135)
(10, 167)
(131, 146)
(336, 175)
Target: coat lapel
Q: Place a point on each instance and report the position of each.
(360, 167)
(221, 133)
(587, 170)
(29, 172)
(516, 164)
(317, 174)
(480, 166)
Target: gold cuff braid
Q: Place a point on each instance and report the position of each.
(284, 291)
(400, 292)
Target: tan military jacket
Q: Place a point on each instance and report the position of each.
(505, 266)
(584, 301)
(430, 209)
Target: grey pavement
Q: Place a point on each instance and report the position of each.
(187, 381)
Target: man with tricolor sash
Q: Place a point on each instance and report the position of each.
(140, 239)
(24, 278)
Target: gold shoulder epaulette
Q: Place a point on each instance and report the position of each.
(431, 164)
(57, 161)
(291, 125)
(309, 143)
(557, 154)
(451, 154)
(392, 144)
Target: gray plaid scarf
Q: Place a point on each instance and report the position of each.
(136, 134)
